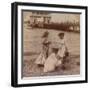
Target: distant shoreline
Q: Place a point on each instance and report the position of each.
(75, 31)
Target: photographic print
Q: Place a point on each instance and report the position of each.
(49, 44)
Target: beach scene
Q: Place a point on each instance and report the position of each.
(34, 25)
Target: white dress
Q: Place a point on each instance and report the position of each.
(43, 55)
(40, 59)
(62, 48)
(52, 61)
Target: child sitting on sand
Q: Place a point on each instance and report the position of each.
(57, 55)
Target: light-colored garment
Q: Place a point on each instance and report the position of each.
(62, 48)
(44, 53)
(51, 62)
(40, 59)
(45, 47)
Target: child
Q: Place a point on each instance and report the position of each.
(62, 47)
(45, 44)
(57, 55)
(45, 49)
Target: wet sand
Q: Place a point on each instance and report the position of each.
(32, 48)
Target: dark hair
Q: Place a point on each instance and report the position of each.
(45, 34)
(55, 50)
(61, 34)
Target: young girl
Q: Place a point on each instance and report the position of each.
(57, 55)
(45, 49)
(62, 47)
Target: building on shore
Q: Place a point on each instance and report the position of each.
(39, 18)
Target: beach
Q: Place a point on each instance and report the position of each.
(32, 46)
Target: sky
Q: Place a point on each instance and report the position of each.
(64, 17)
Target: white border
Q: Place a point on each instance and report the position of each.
(82, 48)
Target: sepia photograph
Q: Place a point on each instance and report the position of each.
(51, 43)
